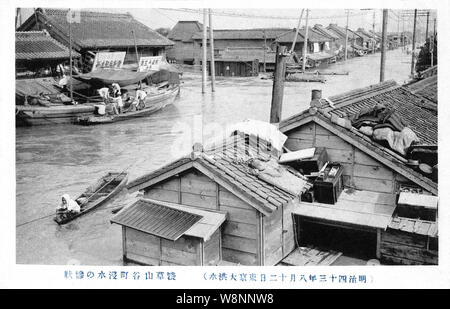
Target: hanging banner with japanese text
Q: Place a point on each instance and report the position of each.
(108, 60)
(149, 63)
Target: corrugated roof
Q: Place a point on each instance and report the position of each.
(38, 45)
(36, 86)
(156, 219)
(230, 161)
(101, 30)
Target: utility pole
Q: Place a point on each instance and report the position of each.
(278, 84)
(296, 32)
(413, 43)
(432, 43)
(204, 43)
(211, 44)
(426, 31)
(70, 55)
(383, 44)
(373, 33)
(346, 37)
(305, 43)
(265, 48)
(398, 30)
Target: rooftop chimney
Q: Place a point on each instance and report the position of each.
(316, 95)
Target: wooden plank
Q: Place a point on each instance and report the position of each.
(239, 214)
(239, 257)
(170, 184)
(398, 237)
(398, 261)
(310, 256)
(302, 135)
(332, 142)
(143, 244)
(344, 156)
(375, 185)
(226, 198)
(182, 252)
(240, 229)
(184, 243)
(362, 158)
(162, 195)
(411, 253)
(240, 243)
(288, 229)
(198, 201)
(140, 259)
(368, 197)
(197, 183)
(372, 171)
(212, 250)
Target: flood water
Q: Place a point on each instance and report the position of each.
(53, 160)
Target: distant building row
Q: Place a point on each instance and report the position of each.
(232, 47)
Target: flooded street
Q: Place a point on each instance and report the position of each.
(53, 160)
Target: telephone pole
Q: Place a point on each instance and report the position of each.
(383, 44)
(305, 43)
(211, 44)
(373, 33)
(413, 43)
(265, 48)
(426, 31)
(204, 43)
(278, 84)
(346, 37)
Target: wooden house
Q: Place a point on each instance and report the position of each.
(98, 31)
(38, 55)
(366, 214)
(161, 233)
(184, 49)
(242, 178)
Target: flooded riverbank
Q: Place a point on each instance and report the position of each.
(53, 160)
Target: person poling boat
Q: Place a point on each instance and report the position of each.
(94, 196)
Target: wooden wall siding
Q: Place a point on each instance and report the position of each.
(239, 236)
(152, 250)
(239, 232)
(273, 238)
(211, 254)
(405, 248)
(360, 170)
(181, 51)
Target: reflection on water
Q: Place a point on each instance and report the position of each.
(53, 160)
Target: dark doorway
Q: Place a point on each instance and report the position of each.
(351, 242)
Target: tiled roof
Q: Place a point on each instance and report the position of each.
(229, 162)
(408, 106)
(313, 36)
(36, 45)
(426, 88)
(156, 219)
(184, 30)
(324, 31)
(245, 34)
(340, 31)
(101, 30)
(366, 33)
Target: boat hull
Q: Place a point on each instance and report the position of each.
(40, 115)
(154, 104)
(100, 196)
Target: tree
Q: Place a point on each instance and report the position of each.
(163, 31)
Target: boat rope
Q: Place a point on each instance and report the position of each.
(52, 214)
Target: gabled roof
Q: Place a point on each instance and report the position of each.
(39, 45)
(97, 29)
(228, 164)
(340, 31)
(313, 36)
(366, 33)
(409, 107)
(184, 30)
(324, 31)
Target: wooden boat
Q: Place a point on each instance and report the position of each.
(30, 115)
(153, 103)
(95, 196)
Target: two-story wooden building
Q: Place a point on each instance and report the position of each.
(98, 31)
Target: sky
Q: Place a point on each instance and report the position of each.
(260, 18)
